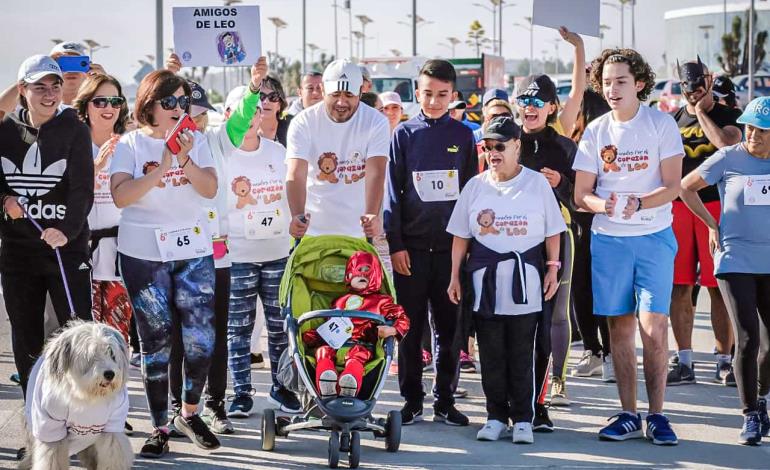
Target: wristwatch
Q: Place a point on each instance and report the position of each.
(638, 204)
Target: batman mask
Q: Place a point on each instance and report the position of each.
(691, 75)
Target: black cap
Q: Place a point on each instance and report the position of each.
(537, 86)
(198, 96)
(723, 87)
(502, 128)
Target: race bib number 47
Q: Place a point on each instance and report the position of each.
(756, 191)
(261, 225)
(183, 243)
(336, 331)
(437, 185)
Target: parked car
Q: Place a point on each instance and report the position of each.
(562, 91)
(671, 98)
(761, 87)
(656, 91)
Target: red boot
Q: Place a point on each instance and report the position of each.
(326, 372)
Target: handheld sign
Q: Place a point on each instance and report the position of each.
(579, 16)
(217, 36)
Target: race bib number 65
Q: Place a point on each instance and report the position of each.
(183, 243)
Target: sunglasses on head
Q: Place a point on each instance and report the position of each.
(170, 102)
(272, 97)
(102, 101)
(498, 147)
(530, 101)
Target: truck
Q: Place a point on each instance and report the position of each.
(397, 74)
(475, 76)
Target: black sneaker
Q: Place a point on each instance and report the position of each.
(241, 407)
(156, 446)
(411, 413)
(128, 430)
(764, 419)
(729, 380)
(194, 428)
(257, 361)
(215, 417)
(285, 400)
(450, 416)
(680, 374)
(724, 374)
(542, 423)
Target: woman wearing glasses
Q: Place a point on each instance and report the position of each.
(165, 250)
(274, 125)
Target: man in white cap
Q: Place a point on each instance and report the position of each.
(336, 158)
(392, 108)
(73, 79)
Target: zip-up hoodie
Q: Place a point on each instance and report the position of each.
(548, 148)
(53, 168)
(425, 144)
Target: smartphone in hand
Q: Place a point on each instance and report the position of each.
(185, 123)
(79, 63)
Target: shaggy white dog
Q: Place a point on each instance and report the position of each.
(77, 401)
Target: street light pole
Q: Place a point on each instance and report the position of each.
(414, 27)
(365, 20)
(158, 34)
(304, 39)
(350, 26)
(531, 40)
(706, 28)
(336, 40)
(751, 50)
(633, 25)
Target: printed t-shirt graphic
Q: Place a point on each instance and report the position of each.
(104, 214)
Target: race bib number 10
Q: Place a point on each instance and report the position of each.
(183, 243)
(756, 191)
(437, 185)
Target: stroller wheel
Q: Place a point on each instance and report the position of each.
(268, 429)
(334, 449)
(393, 431)
(354, 457)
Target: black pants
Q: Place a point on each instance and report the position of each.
(133, 337)
(216, 383)
(25, 295)
(428, 283)
(747, 298)
(589, 325)
(505, 345)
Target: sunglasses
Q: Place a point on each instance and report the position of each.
(536, 102)
(114, 101)
(495, 116)
(272, 97)
(170, 102)
(498, 147)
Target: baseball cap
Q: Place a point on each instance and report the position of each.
(390, 97)
(342, 75)
(494, 94)
(36, 67)
(235, 96)
(723, 87)
(69, 47)
(459, 104)
(502, 128)
(365, 73)
(757, 113)
(537, 86)
(200, 102)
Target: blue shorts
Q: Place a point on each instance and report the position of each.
(632, 274)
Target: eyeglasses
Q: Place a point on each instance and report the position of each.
(273, 97)
(531, 101)
(170, 102)
(498, 147)
(101, 102)
(495, 116)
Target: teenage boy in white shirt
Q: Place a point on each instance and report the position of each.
(629, 167)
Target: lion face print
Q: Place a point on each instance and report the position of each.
(327, 166)
(241, 187)
(150, 166)
(486, 221)
(609, 154)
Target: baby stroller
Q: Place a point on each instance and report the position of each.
(314, 277)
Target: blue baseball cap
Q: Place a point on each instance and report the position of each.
(494, 94)
(757, 113)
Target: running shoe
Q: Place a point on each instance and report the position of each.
(542, 422)
(285, 400)
(680, 374)
(522, 433)
(659, 430)
(411, 413)
(751, 432)
(764, 419)
(589, 365)
(240, 407)
(172, 430)
(200, 434)
(625, 426)
(136, 360)
(128, 430)
(492, 431)
(215, 416)
(559, 392)
(156, 446)
(674, 359)
(257, 361)
(460, 392)
(466, 363)
(449, 415)
(608, 371)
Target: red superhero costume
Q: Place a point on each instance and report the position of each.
(363, 276)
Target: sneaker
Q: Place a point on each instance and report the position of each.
(348, 385)
(730, 379)
(128, 430)
(522, 433)
(764, 419)
(542, 422)
(680, 374)
(215, 417)
(327, 383)
(608, 372)
(411, 413)
(559, 392)
(460, 392)
(240, 407)
(15, 378)
(723, 368)
(156, 446)
(285, 400)
(466, 363)
(136, 360)
(257, 361)
(427, 360)
(659, 430)
(194, 428)
(751, 434)
(173, 432)
(492, 431)
(674, 359)
(589, 365)
(626, 426)
(450, 416)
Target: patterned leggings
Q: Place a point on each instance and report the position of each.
(111, 305)
(168, 296)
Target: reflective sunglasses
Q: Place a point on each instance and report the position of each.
(102, 101)
(498, 147)
(170, 102)
(530, 101)
(495, 116)
(273, 97)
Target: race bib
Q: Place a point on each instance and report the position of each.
(437, 185)
(642, 217)
(336, 331)
(756, 190)
(261, 225)
(183, 243)
(212, 218)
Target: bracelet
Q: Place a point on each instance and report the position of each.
(186, 162)
(554, 263)
(253, 90)
(638, 204)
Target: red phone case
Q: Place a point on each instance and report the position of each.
(185, 122)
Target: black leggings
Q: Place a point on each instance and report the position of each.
(747, 298)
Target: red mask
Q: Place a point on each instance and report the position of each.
(363, 264)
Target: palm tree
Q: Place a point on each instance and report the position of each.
(477, 36)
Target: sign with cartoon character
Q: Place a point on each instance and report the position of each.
(217, 36)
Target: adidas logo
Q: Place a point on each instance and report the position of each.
(343, 77)
(532, 89)
(32, 179)
(83, 267)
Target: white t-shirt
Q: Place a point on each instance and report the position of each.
(257, 208)
(172, 205)
(336, 154)
(104, 214)
(51, 418)
(626, 158)
(514, 215)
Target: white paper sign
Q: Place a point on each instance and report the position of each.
(756, 191)
(642, 217)
(336, 331)
(579, 16)
(217, 36)
(437, 185)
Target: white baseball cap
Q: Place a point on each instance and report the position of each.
(390, 97)
(235, 96)
(342, 75)
(69, 47)
(36, 67)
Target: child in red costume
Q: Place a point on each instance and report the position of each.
(363, 275)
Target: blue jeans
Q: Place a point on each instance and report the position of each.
(249, 282)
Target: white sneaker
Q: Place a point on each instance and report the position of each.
(608, 372)
(328, 383)
(348, 385)
(492, 431)
(559, 392)
(589, 365)
(522, 433)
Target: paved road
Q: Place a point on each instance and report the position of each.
(706, 417)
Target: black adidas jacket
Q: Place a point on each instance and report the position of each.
(549, 149)
(53, 168)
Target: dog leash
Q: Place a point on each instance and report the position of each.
(22, 201)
